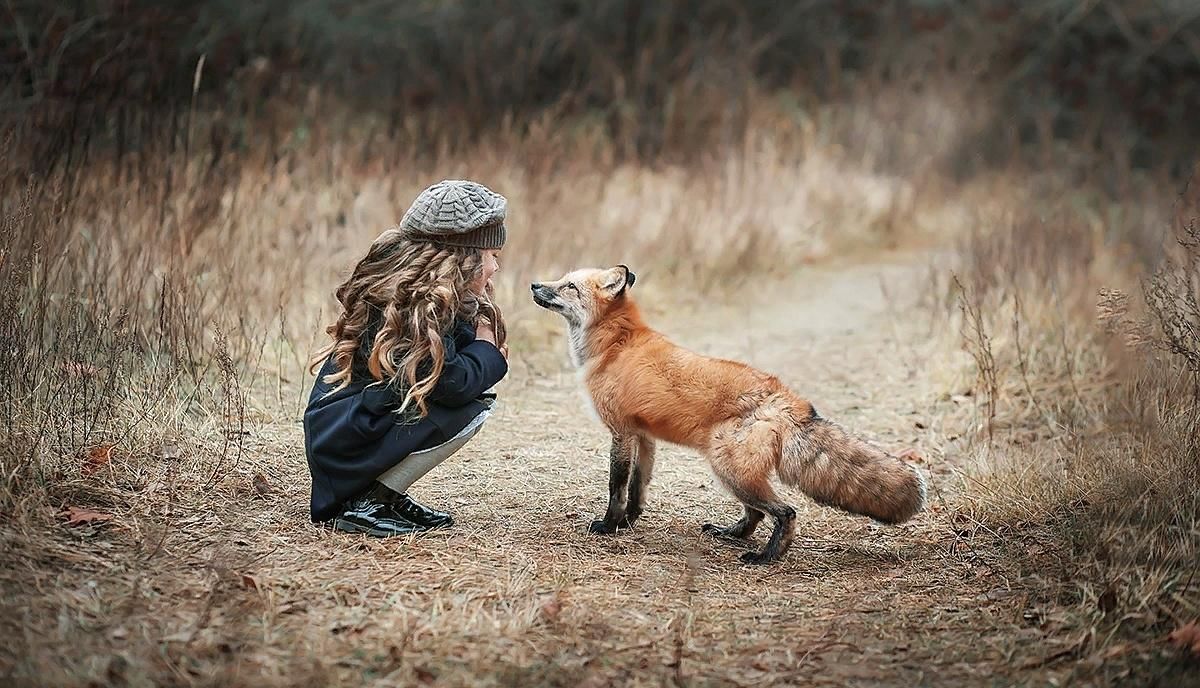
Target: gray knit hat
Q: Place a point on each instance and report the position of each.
(457, 212)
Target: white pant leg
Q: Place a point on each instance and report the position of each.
(401, 476)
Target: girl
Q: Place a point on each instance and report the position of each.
(403, 385)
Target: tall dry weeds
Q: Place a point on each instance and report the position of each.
(1095, 466)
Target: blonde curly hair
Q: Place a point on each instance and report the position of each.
(412, 291)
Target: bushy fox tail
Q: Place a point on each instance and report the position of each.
(844, 472)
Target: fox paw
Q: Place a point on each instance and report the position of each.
(756, 558)
(720, 532)
(601, 527)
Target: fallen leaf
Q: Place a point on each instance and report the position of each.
(77, 516)
(1187, 637)
(911, 455)
(963, 526)
(261, 485)
(424, 675)
(249, 581)
(551, 607)
(97, 457)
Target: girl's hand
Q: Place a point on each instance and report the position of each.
(484, 331)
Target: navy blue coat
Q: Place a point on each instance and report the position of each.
(353, 436)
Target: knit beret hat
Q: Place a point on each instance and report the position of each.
(457, 212)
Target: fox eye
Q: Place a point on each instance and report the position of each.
(571, 285)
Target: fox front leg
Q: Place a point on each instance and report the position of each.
(639, 480)
(620, 467)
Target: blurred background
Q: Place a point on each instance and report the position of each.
(670, 79)
(183, 184)
(227, 138)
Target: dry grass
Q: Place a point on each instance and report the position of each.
(1085, 411)
(158, 309)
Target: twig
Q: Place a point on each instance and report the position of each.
(979, 345)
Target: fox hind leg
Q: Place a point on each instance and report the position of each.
(741, 530)
(759, 496)
(743, 466)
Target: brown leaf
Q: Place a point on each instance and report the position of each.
(77, 516)
(551, 607)
(424, 675)
(249, 581)
(1187, 637)
(97, 457)
(261, 485)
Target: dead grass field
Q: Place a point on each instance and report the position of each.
(230, 585)
(153, 507)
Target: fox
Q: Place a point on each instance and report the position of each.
(748, 424)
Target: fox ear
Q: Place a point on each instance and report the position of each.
(630, 278)
(618, 279)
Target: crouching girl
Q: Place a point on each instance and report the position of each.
(405, 381)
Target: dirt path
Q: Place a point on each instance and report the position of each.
(241, 590)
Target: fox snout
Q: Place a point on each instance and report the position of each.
(542, 295)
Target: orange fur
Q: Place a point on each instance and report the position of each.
(747, 423)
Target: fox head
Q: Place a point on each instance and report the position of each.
(581, 296)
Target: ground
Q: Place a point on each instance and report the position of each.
(233, 586)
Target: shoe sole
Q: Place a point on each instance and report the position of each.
(348, 527)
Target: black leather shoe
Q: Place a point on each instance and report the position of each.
(375, 518)
(420, 514)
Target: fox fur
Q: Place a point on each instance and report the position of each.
(747, 423)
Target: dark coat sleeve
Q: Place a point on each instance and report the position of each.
(469, 373)
(469, 370)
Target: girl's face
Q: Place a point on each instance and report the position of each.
(491, 264)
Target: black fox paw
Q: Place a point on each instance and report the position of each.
(720, 532)
(601, 527)
(757, 558)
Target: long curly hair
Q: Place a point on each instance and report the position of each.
(411, 292)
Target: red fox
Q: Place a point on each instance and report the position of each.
(746, 422)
